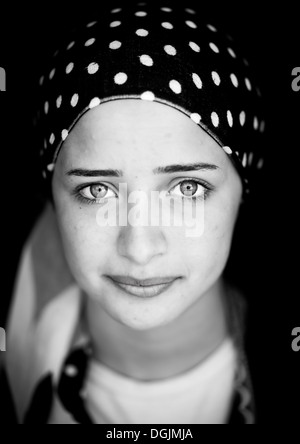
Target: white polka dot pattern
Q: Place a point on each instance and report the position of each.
(196, 118)
(214, 48)
(142, 32)
(115, 24)
(229, 118)
(260, 164)
(215, 119)
(190, 11)
(121, 78)
(51, 75)
(167, 25)
(255, 123)
(115, 45)
(146, 60)
(141, 14)
(191, 24)
(175, 57)
(231, 52)
(64, 134)
(148, 95)
(70, 45)
(234, 80)
(194, 46)
(242, 118)
(58, 102)
(90, 42)
(69, 68)
(74, 100)
(89, 25)
(94, 102)
(227, 150)
(197, 81)
(170, 50)
(248, 84)
(216, 78)
(212, 28)
(93, 68)
(50, 167)
(175, 86)
(52, 139)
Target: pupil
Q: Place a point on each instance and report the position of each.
(188, 188)
(98, 191)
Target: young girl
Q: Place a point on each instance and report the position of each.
(130, 323)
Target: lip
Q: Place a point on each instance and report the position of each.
(145, 288)
(128, 280)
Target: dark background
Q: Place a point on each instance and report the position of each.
(265, 260)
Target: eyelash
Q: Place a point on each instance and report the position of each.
(86, 200)
(207, 190)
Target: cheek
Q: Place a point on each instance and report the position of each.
(208, 254)
(86, 245)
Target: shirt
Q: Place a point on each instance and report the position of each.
(202, 395)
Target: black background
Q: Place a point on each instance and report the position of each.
(265, 258)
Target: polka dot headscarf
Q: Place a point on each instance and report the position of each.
(152, 52)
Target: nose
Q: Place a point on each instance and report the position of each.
(140, 244)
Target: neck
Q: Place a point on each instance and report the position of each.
(161, 352)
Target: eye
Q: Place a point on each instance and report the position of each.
(96, 192)
(189, 188)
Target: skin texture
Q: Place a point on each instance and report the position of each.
(165, 335)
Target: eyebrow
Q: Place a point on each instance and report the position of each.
(176, 168)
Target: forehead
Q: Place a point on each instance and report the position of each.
(144, 132)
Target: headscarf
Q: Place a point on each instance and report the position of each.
(152, 52)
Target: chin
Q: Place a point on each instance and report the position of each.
(142, 318)
(143, 324)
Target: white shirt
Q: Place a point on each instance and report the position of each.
(202, 395)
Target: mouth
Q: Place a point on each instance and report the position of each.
(146, 288)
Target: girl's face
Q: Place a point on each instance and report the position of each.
(135, 138)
